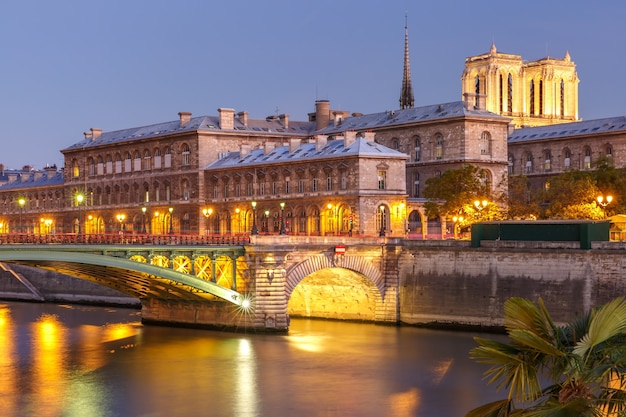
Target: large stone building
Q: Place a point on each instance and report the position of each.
(534, 93)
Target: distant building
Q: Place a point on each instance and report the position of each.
(535, 93)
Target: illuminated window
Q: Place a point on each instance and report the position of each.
(567, 160)
(418, 149)
(587, 164)
(548, 161)
(382, 180)
(185, 155)
(439, 146)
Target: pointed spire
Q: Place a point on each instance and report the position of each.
(493, 49)
(406, 95)
(567, 57)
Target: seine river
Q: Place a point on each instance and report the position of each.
(82, 361)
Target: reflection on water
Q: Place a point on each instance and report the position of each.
(96, 362)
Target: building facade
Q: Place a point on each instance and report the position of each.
(535, 93)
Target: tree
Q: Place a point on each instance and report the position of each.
(568, 191)
(583, 363)
(454, 189)
(521, 204)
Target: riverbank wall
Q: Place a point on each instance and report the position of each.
(461, 286)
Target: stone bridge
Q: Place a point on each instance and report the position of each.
(250, 286)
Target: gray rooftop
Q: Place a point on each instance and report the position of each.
(306, 152)
(407, 116)
(611, 124)
(31, 180)
(271, 126)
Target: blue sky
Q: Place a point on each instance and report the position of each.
(68, 66)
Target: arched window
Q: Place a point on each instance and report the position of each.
(118, 163)
(438, 146)
(532, 97)
(567, 158)
(608, 151)
(510, 94)
(157, 158)
(137, 161)
(485, 143)
(418, 149)
(395, 144)
(108, 169)
(100, 166)
(185, 153)
(540, 97)
(91, 164)
(587, 161)
(75, 169)
(547, 165)
(147, 160)
(529, 163)
(168, 157)
(128, 162)
(562, 98)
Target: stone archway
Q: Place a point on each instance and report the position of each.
(335, 287)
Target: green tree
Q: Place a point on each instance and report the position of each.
(520, 202)
(567, 192)
(454, 189)
(581, 364)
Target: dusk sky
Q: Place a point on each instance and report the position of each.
(68, 66)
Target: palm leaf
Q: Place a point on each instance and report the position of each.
(606, 322)
(495, 409)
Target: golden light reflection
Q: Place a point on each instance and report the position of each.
(246, 388)
(312, 343)
(441, 369)
(49, 363)
(404, 404)
(8, 372)
(119, 331)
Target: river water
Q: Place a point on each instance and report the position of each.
(83, 361)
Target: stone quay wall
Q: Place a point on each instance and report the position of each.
(456, 285)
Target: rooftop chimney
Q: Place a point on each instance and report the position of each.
(294, 143)
(322, 114)
(227, 118)
(185, 117)
(95, 133)
(268, 147)
(244, 149)
(284, 119)
(243, 117)
(369, 136)
(349, 138)
(320, 141)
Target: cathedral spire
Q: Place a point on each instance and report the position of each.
(406, 95)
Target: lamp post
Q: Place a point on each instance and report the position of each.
(255, 230)
(403, 214)
(79, 203)
(267, 221)
(171, 210)
(21, 202)
(238, 212)
(382, 221)
(604, 201)
(121, 218)
(207, 213)
(282, 218)
(457, 220)
(143, 220)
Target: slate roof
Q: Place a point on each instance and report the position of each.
(56, 178)
(271, 126)
(566, 130)
(407, 116)
(307, 152)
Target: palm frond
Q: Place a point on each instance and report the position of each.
(606, 322)
(499, 408)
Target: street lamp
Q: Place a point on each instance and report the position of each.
(457, 220)
(382, 221)
(207, 213)
(79, 202)
(267, 221)
(171, 209)
(604, 201)
(143, 224)
(238, 212)
(282, 218)
(121, 218)
(255, 230)
(480, 204)
(21, 202)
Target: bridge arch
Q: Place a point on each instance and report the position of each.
(81, 264)
(315, 263)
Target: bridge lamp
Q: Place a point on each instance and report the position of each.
(282, 218)
(207, 213)
(121, 218)
(22, 203)
(480, 204)
(382, 221)
(79, 203)
(143, 221)
(604, 201)
(255, 230)
(171, 210)
(267, 221)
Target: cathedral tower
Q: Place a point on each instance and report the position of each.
(406, 95)
(535, 93)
